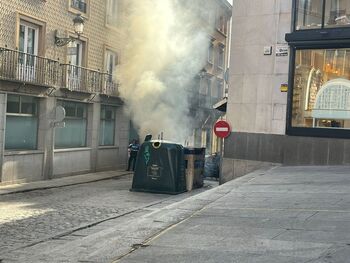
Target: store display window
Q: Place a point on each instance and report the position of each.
(321, 92)
(313, 14)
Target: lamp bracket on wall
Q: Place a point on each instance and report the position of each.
(63, 41)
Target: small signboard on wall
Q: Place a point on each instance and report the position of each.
(282, 50)
(284, 87)
(267, 50)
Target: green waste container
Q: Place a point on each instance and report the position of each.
(160, 168)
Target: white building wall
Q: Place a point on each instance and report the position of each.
(256, 103)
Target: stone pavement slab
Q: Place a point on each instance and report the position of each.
(288, 214)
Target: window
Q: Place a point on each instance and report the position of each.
(221, 57)
(312, 14)
(79, 5)
(220, 88)
(321, 93)
(309, 14)
(73, 135)
(28, 38)
(112, 12)
(21, 123)
(318, 103)
(111, 61)
(337, 13)
(204, 85)
(28, 46)
(75, 52)
(211, 53)
(221, 24)
(107, 125)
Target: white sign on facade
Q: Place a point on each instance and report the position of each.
(267, 50)
(282, 50)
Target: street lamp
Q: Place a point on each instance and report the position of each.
(78, 23)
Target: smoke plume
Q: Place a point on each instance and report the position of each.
(164, 49)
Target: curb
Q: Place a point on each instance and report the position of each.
(61, 182)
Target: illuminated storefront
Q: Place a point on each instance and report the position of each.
(319, 100)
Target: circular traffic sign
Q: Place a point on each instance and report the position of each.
(222, 129)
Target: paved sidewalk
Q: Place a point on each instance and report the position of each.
(60, 182)
(287, 214)
(282, 215)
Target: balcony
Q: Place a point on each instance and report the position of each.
(31, 69)
(81, 79)
(23, 67)
(109, 85)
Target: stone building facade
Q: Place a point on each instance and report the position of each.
(39, 73)
(289, 85)
(211, 86)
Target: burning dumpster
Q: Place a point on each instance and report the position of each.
(160, 168)
(194, 163)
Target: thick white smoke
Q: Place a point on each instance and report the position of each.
(165, 47)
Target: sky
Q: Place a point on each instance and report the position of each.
(230, 1)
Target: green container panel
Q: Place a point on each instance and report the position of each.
(160, 168)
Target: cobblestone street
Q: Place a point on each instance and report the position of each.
(27, 218)
(40, 221)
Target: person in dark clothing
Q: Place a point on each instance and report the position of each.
(133, 150)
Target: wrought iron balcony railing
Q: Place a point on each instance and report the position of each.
(31, 69)
(109, 85)
(24, 67)
(81, 79)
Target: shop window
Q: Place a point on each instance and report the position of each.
(309, 14)
(337, 13)
(21, 123)
(321, 92)
(107, 125)
(313, 14)
(112, 12)
(73, 135)
(319, 82)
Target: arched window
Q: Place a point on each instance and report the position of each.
(333, 101)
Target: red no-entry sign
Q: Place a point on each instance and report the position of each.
(222, 129)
